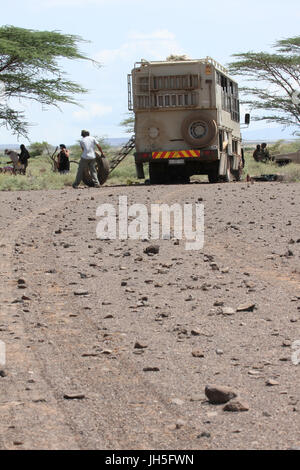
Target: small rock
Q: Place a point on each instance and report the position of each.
(204, 434)
(151, 369)
(139, 345)
(195, 332)
(246, 308)
(153, 249)
(81, 292)
(73, 396)
(217, 394)
(236, 406)
(180, 423)
(227, 311)
(197, 353)
(271, 383)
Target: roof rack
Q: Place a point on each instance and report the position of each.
(207, 60)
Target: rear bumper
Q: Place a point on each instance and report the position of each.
(189, 155)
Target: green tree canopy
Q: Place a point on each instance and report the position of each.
(30, 69)
(278, 82)
(128, 123)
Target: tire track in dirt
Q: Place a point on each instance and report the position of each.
(100, 420)
(18, 412)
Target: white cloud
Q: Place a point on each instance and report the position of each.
(91, 111)
(156, 45)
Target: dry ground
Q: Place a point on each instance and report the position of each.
(61, 344)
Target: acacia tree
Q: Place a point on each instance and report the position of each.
(278, 79)
(30, 69)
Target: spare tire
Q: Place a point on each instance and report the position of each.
(198, 130)
(103, 167)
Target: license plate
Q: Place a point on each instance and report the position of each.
(180, 161)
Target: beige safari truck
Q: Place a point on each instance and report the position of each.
(187, 120)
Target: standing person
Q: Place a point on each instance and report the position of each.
(256, 153)
(88, 159)
(265, 152)
(24, 156)
(63, 161)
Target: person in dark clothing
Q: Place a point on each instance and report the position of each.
(256, 153)
(265, 152)
(24, 156)
(63, 162)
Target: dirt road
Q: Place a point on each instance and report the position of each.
(109, 348)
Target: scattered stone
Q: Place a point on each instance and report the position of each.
(217, 394)
(139, 345)
(151, 369)
(24, 297)
(152, 249)
(75, 396)
(106, 351)
(271, 383)
(246, 308)
(227, 311)
(197, 353)
(236, 406)
(81, 292)
(204, 434)
(195, 332)
(180, 423)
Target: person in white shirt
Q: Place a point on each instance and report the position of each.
(88, 159)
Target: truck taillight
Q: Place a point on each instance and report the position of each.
(145, 155)
(206, 153)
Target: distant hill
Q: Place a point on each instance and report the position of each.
(113, 141)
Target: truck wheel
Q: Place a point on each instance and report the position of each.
(158, 173)
(102, 168)
(213, 174)
(102, 165)
(199, 130)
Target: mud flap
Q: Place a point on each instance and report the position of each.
(223, 164)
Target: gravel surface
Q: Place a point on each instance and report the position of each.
(110, 347)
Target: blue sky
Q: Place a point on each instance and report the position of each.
(124, 31)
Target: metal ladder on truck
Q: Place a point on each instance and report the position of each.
(125, 150)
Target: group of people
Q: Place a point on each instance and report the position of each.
(19, 161)
(87, 161)
(88, 145)
(261, 153)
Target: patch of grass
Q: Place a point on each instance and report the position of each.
(291, 171)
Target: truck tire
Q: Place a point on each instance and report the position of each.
(102, 171)
(198, 130)
(102, 168)
(213, 174)
(158, 173)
